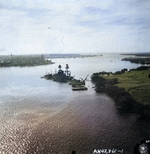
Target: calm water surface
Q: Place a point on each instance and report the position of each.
(23, 94)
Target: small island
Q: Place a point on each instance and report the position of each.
(129, 88)
(23, 60)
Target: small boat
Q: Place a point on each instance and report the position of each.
(82, 87)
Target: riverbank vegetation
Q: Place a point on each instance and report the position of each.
(129, 89)
(138, 54)
(137, 60)
(23, 60)
(137, 83)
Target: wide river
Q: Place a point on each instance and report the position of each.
(43, 116)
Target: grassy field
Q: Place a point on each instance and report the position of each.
(137, 83)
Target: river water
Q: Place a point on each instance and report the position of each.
(30, 108)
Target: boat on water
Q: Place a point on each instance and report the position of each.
(65, 76)
(81, 87)
(78, 84)
(60, 76)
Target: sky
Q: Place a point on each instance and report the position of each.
(74, 26)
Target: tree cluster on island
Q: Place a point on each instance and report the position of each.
(23, 60)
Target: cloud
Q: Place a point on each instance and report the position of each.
(2, 50)
(75, 26)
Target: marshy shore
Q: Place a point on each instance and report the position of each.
(129, 89)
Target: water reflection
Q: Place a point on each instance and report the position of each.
(42, 116)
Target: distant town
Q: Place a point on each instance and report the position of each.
(23, 60)
(35, 59)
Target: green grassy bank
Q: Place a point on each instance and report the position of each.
(137, 83)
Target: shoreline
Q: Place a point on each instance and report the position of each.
(107, 82)
(23, 61)
(140, 58)
(138, 54)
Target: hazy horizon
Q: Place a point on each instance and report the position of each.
(100, 53)
(74, 26)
